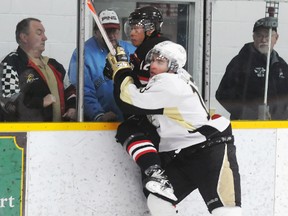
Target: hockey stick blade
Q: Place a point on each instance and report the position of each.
(91, 7)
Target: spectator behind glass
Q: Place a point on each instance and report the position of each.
(99, 103)
(241, 90)
(32, 87)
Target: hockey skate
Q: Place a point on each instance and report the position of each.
(157, 182)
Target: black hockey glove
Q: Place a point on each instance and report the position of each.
(116, 63)
(108, 70)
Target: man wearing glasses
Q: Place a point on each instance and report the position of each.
(242, 89)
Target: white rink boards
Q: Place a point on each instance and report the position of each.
(86, 173)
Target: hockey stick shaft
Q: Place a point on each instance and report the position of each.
(91, 7)
(271, 13)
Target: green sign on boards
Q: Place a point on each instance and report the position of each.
(12, 171)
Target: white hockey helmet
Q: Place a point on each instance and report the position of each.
(173, 52)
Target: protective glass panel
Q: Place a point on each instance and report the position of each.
(244, 92)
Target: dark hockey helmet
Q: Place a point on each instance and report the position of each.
(150, 17)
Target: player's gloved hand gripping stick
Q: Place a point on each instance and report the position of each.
(115, 63)
(117, 58)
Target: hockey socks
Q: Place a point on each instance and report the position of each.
(143, 153)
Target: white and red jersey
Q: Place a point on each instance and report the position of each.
(173, 104)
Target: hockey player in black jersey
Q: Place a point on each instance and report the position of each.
(137, 135)
(198, 150)
(144, 30)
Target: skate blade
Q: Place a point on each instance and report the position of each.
(155, 188)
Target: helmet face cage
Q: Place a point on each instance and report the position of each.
(173, 52)
(147, 24)
(155, 53)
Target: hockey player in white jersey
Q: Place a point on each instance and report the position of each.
(197, 151)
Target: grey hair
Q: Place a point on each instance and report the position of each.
(23, 27)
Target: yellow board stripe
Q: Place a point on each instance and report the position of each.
(259, 124)
(77, 126)
(86, 126)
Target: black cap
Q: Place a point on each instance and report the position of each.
(266, 22)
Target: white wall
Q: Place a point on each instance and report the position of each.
(59, 18)
(86, 173)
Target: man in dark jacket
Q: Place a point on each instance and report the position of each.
(32, 85)
(242, 89)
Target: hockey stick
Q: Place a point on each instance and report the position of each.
(271, 13)
(91, 7)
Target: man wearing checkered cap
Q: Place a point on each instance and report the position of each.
(32, 85)
(99, 103)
